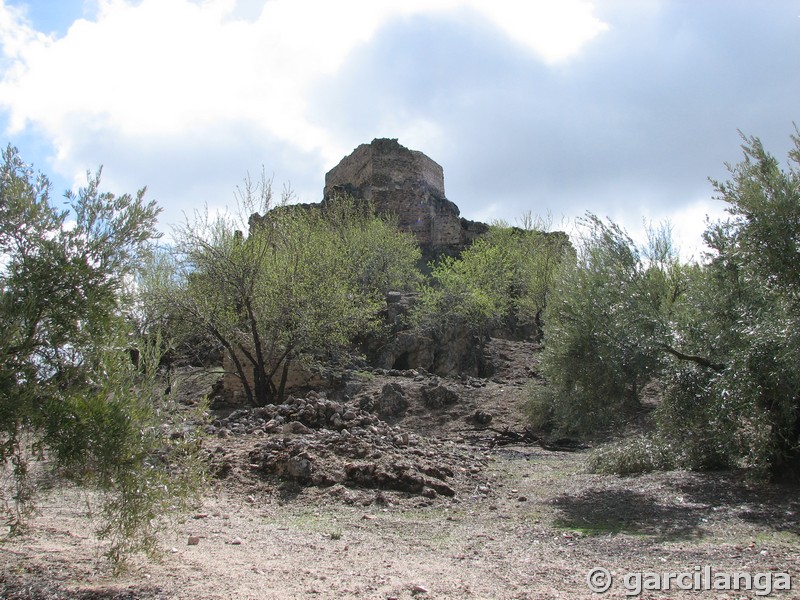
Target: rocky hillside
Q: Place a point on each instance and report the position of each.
(403, 432)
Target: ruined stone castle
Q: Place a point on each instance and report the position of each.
(399, 182)
(408, 184)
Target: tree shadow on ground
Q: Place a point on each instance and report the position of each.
(776, 506)
(614, 511)
(679, 504)
(28, 588)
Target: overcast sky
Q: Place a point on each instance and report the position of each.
(620, 107)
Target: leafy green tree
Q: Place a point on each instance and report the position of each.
(756, 282)
(69, 395)
(606, 327)
(501, 282)
(382, 258)
(721, 336)
(303, 281)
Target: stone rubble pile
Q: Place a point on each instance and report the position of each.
(315, 441)
(438, 396)
(315, 411)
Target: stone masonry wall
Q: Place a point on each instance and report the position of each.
(298, 378)
(402, 182)
(398, 181)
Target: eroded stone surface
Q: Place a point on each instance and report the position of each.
(408, 184)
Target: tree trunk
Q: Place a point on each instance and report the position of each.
(700, 360)
(284, 377)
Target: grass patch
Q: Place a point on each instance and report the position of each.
(607, 527)
(364, 375)
(308, 520)
(326, 523)
(778, 537)
(426, 514)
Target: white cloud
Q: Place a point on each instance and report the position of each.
(555, 31)
(15, 34)
(687, 223)
(166, 67)
(188, 95)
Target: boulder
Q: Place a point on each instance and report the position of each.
(391, 403)
(439, 396)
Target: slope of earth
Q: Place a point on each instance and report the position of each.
(391, 490)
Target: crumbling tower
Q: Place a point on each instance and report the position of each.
(408, 184)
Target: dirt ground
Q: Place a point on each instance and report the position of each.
(522, 522)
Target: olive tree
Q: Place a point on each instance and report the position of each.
(606, 327)
(755, 321)
(721, 336)
(70, 398)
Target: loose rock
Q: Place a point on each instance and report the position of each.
(439, 396)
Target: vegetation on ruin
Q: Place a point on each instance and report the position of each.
(498, 284)
(299, 283)
(715, 342)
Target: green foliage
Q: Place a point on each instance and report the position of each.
(382, 258)
(699, 426)
(70, 397)
(303, 281)
(125, 437)
(753, 270)
(539, 406)
(723, 336)
(469, 289)
(692, 431)
(500, 282)
(604, 326)
(641, 454)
